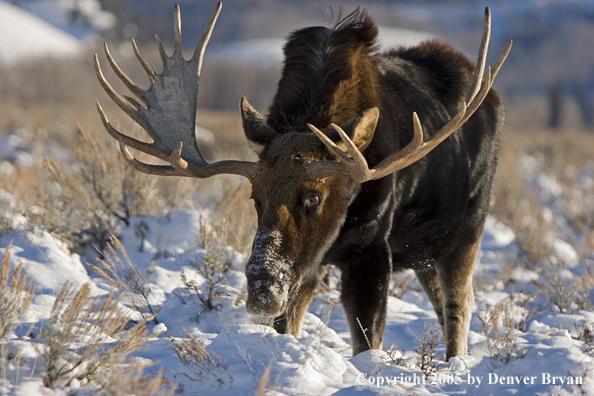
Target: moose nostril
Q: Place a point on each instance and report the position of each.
(262, 302)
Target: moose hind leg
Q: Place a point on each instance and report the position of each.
(456, 284)
(430, 282)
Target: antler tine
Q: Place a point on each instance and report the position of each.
(145, 65)
(201, 47)
(117, 98)
(162, 52)
(485, 86)
(357, 167)
(482, 94)
(162, 170)
(177, 51)
(482, 57)
(403, 156)
(178, 162)
(136, 144)
(500, 61)
(417, 141)
(329, 143)
(125, 79)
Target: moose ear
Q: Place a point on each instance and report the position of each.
(258, 133)
(360, 129)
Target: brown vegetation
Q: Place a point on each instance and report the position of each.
(16, 294)
(84, 340)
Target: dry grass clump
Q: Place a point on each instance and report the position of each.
(126, 278)
(200, 361)
(534, 230)
(119, 190)
(83, 340)
(400, 283)
(585, 333)
(500, 328)
(16, 294)
(102, 193)
(236, 219)
(566, 294)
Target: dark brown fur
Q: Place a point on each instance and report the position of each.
(428, 216)
(328, 75)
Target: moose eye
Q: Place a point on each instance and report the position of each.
(311, 199)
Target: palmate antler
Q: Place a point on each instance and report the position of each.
(168, 111)
(357, 167)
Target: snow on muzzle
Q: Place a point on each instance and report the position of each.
(268, 275)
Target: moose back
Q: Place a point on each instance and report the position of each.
(345, 174)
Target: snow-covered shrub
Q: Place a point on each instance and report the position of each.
(215, 271)
(428, 342)
(396, 356)
(103, 193)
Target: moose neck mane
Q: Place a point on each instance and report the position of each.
(328, 75)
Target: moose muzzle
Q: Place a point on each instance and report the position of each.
(268, 275)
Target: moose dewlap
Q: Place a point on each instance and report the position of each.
(348, 173)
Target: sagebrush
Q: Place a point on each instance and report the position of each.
(16, 294)
(85, 340)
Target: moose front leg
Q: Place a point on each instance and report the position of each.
(290, 321)
(456, 285)
(365, 283)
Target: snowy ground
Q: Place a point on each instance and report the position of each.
(543, 359)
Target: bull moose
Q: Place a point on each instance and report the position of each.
(344, 175)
